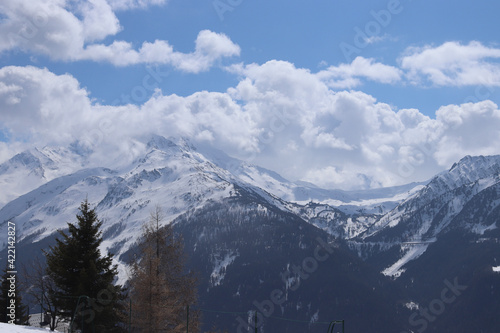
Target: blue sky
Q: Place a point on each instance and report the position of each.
(336, 67)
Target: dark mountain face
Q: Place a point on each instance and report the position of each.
(455, 285)
(446, 239)
(463, 258)
(252, 257)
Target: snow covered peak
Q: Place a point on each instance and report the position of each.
(428, 212)
(473, 168)
(161, 143)
(168, 144)
(30, 160)
(468, 170)
(34, 167)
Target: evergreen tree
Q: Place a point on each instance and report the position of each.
(9, 312)
(85, 279)
(161, 290)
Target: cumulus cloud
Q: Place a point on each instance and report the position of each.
(334, 177)
(39, 104)
(72, 33)
(132, 4)
(209, 47)
(349, 75)
(468, 129)
(453, 64)
(278, 116)
(297, 122)
(42, 108)
(348, 139)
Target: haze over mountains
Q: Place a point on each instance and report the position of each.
(389, 252)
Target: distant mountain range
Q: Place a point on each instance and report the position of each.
(414, 258)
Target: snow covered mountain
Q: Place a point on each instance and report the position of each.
(172, 175)
(245, 226)
(30, 169)
(465, 197)
(48, 185)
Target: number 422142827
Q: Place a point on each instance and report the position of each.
(11, 252)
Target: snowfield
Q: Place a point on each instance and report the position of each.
(9, 328)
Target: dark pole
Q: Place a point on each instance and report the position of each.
(255, 322)
(150, 299)
(332, 325)
(41, 307)
(83, 330)
(130, 317)
(187, 322)
(157, 234)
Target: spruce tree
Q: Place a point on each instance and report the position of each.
(161, 290)
(84, 278)
(7, 294)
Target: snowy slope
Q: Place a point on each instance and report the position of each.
(450, 190)
(30, 169)
(8, 328)
(302, 192)
(463, 197)
(171, 175)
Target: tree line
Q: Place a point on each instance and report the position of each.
(78, 284)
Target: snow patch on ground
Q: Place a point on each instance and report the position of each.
(9, 328)
(411, 306)
(481, 229)
(414, 252)
(220, 265)
(315, 317)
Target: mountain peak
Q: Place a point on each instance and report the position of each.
(474, 168)
(161, 143)
(29, 159)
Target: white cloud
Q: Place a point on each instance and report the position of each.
(278, 116)
(468, 129)
(38, 26)
(349, 75)
(72, 32)
(453, 64)
(348, 139)
(132, 4)
(38, 107)
(209, 48)
(377, 39)
(99, 21)
(54, 110)
(332, 177)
